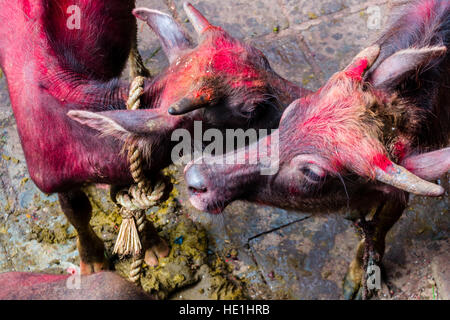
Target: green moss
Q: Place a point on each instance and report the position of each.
(9, 158)
(7, 207)
(223, 289)
(58, 234)
(24, 181)
(312, 15)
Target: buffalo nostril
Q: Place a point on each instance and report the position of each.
(196, 190)
(195, 180)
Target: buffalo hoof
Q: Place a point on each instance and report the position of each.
(160, 249)
(93, 267)
(92, 254)
(352, 288)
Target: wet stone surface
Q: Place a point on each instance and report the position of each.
(249, 251)
(242, 19)
(306, 255)
(287, 59)
(299, 11)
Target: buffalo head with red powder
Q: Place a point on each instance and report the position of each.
(221, 81)
(337, 147)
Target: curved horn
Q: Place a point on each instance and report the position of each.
(401, 178)
(185, 105)
(362, 62)
(170, 33)
(192, 101)
(370, 54)
(197, 19)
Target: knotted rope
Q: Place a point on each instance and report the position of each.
(136, 199)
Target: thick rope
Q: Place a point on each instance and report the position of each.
(136, 199)
(136, 91)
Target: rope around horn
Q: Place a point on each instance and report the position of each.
(136, 199)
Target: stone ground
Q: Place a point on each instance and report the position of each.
(277, 254)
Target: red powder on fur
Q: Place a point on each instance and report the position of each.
(425, 9)
(356, 71)
(227, 63)
(32, 279)
(336, 165)
(399, 150)
(205, 93)
(212, 28)
(381, 161)
(293, 191)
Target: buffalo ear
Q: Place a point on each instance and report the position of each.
(124, 124)
(172, 36)
(396, 68)
(430, 165)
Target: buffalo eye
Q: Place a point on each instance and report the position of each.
(313, 173)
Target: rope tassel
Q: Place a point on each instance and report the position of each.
(128, 242)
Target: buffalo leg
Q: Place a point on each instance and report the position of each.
(77, 208)
(370, 250)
